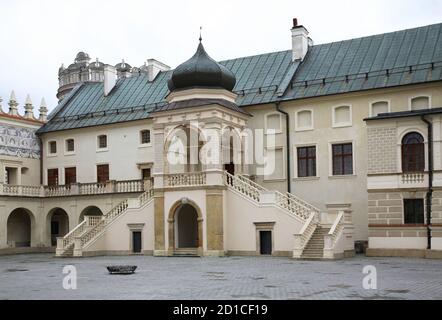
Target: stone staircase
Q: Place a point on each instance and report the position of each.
(314, 250)
(185, 252)
(89, 229)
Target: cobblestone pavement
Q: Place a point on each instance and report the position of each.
(39, 276)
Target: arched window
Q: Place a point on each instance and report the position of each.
(413, 153)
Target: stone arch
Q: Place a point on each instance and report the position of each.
(57, 225)
(232, 149)
(173, 219)
(90, 211)
(179, 146)
(20, 228)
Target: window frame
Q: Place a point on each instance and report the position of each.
(332, 157)
(70, 167)
(312, 124)
(297, 148)
(47, 177)
(377, 101)
(50, 153)
(422, 152)
(141, 137)
(267, 129)
(342, 124)
(422, 201)
(101, 149)
(284, 168)
(96, 172)
(410, 100)
(66, 151)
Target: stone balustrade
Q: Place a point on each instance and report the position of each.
(187, 179)
(125, 186)
(413, 177)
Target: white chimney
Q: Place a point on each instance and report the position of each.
(300, 41)
(110, 78)
(154, 67)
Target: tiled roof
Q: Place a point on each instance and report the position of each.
(391, 59)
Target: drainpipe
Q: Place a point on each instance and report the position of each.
(287, 134)
(41, 159)
(430, 178)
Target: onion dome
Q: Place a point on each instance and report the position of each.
(97, 65)
(82, 57)
(123, 66)
(203, 72)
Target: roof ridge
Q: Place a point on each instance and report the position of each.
(377, 34)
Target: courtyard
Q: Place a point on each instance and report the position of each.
(40, 276)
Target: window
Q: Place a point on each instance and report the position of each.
(413, 158)
(307, 162)
(342, 159)
(304, 120)
(145, 136)
(52, 147)
(70, 145)
(413, 211)
(274, 169)
(420, 103)
(102, 173)
(70, 175)
(273, 122)
(145, 173)
(102, 142)
(52, 177)
(378, 108)
(342, 116)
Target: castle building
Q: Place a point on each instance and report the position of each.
(320, 151)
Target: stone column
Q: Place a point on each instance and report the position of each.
(160, 156)
(214, 166)
(3, 224)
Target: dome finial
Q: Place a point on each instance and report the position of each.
(201, 38)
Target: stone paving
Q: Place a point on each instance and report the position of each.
(39, 276)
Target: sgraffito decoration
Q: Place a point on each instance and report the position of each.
(19, 142)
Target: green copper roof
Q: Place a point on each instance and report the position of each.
(392, 59)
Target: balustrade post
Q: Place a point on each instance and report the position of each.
(20, 190)
(1, 188)
(74, 189)
(59, 249)
(111, 186)
(77, 247)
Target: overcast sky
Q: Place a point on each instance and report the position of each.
(36, 36)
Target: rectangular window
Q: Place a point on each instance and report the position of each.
(52, 177)
(342, 159)
(53, 147)
(70, 146)
(145, 136)
(413, 211)
(102, 141)
(146, 173)
(70, 175)
(307, 162)
(102, 173)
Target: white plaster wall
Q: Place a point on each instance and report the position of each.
(397, 243)
(240, 228)
(117, 236)
(123, 154)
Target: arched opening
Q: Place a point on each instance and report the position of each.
(57, 224)
(183, 147)
(413, 153)
(231, 150)
(19, 228)
(90, 211)
(186, 222)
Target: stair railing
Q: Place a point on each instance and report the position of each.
(331, 239)
(305, 234)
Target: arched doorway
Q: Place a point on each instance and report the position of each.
(185, 226)
(19, 228)
(90, 211)
(57, 224)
